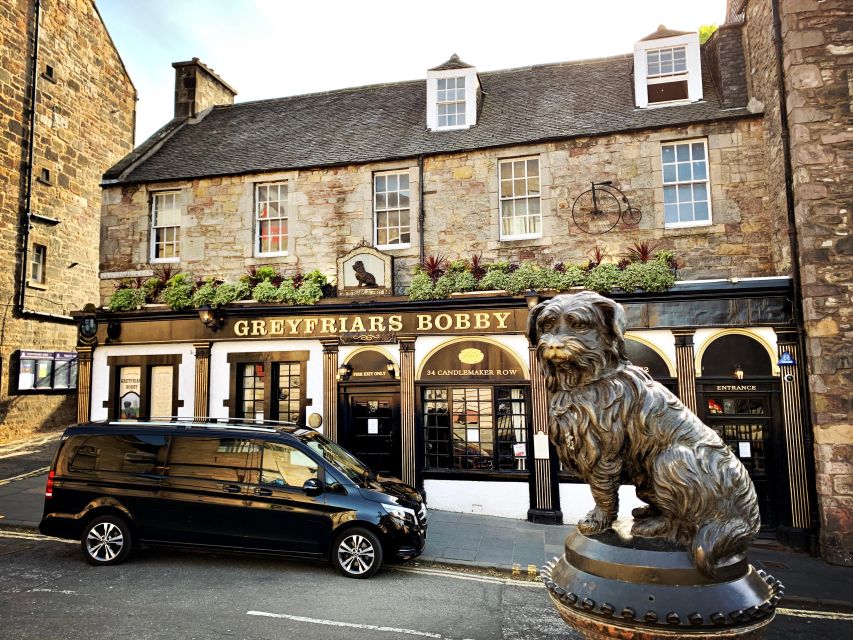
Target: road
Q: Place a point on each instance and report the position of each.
(47, 591)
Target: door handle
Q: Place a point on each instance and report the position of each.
(231, 488)
(262, 492)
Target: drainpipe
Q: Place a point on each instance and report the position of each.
(421, 210)
(26, 218)
(808, 438)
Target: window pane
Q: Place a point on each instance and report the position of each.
(682, 152)
(699, 172)
(685, 212)
(669, 195)
(700, 192)
(670, 212)
(684, 172)
(685, 193)
(700, 211)
(698, 151)
(669, 173)
(217, 459)
(668, 153)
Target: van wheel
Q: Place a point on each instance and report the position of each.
(357, 553)
(106, 540)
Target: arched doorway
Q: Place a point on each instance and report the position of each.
(738, 398)
(652, 362)
(369, 409)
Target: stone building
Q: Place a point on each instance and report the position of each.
(66, 96)
(688, 153)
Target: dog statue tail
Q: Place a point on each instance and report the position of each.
(716, 541)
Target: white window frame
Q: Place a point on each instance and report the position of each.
(38, 264)
(677, 182)
(258, 252)
(442, 100)
(155, 227)
(472, 85)
(526, 196)
(693, 73)
(388, 209)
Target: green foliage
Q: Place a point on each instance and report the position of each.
(458, 266)
(265, 272)
(494, 280)
(229, 292)
(464, 281)
(205, 294)
(178, 292)
(527, 276)
(647, 276)
(443, 287)
(498, 265)
(705, 32)
(317, 277)
(126, 299)
(152, 287)
(603, 278)
(422, 288)
(265, 291)
(286, 292)
(309, 292)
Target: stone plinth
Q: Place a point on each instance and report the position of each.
(612, 585)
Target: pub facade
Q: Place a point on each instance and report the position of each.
(443, 390)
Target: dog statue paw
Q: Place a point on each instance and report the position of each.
(596, 521)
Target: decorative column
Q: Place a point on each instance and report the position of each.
(201, 408)
(795, 438)
(544, 477)
(84, 383)
(330, 388)
(407, 408)
(685, 367)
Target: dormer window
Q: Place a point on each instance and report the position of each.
(452, 93)
(667, 68)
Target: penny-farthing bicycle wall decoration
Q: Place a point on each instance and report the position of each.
(600, 208)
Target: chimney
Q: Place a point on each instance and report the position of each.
(725, 56)
(197, 88)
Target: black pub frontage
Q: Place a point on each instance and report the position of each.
(447, 394)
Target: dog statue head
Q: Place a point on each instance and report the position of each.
(578, 338)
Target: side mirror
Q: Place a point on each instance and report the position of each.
(313, 487)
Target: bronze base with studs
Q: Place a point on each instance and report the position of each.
(613, 585)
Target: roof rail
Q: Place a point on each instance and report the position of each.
(231, 424)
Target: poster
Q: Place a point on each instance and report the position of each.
(129, 386)
(372, 426)
(519, 450)
(161, 391)
(26, 376)
(744, 450)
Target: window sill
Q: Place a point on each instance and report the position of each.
(533, 236)
(272, 254)
(688, 225)
(36, 285)
(392, 247)
(164, 260)
(456, 128)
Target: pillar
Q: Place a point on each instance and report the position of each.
(201, 408)
(330, 388)
(407, 409)
(544, 479)
(685, 365)
(84, 383)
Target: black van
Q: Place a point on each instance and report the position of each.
(281, 489)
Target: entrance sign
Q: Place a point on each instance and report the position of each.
(129, 386)
(786, 359)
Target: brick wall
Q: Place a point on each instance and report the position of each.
(331, 209)
(84, 123)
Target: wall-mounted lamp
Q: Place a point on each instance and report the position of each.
(393, 371)
(344, 372)
(209, 318)
(738, 372)
(532, 298)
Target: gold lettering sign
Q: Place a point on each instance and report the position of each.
(378, 325)
(471, 356)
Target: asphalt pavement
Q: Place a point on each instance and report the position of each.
(472, 541)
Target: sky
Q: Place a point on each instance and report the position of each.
(274, 48)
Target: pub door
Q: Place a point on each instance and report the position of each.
(747, 418)
(370, 427)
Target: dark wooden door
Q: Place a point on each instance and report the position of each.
(749, 423)
(371, 429)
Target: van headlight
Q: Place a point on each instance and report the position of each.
(402, 514)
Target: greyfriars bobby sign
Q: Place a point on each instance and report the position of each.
(364, 271)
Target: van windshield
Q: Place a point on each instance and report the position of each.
(340, 458)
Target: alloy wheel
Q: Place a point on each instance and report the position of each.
(105, 541)
(356, 554)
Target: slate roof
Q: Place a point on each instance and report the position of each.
(663, 32)
(452, 63)
(388, 121)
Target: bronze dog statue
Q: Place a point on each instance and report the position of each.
(606, 416)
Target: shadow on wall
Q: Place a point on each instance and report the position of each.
(14, 411)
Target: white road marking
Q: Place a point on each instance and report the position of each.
(24, 476)
(816, 615)
(443, 573)
(349, 625)
(36, 537)
(63, 591)
(21, 448)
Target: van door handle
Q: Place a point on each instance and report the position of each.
(263, 492)
(231, 488)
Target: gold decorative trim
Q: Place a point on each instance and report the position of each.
(379, 350)
(651, 345)
(774, 368)
(524, 367)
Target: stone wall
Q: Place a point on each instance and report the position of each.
(817, 42)
(84, 124)
(197, 88)
(331, 209)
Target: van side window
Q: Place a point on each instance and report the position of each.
(129, 453)
(220, 459)
(285, 466)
